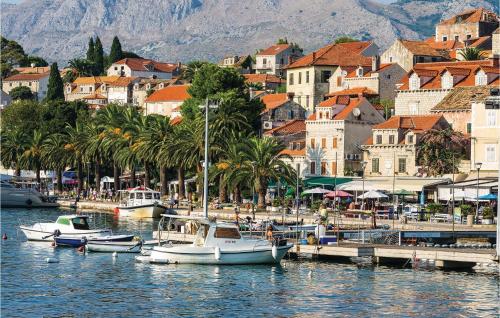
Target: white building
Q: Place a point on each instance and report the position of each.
(273, 59)
(136, 67)
(167, 100)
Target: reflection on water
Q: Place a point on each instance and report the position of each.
(97, 285)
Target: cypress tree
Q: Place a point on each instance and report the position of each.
(98, 57)
(116, 52)
(55, 88)
(90, 50)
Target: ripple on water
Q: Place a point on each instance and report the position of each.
(96, 285)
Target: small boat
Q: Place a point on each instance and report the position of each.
(141, 202)
(63, 240)
(21, 195)
(75, 226)
(218, 243)
(111, 247)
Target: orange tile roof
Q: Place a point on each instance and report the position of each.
(444, 45)
(170, 93)
(423, 48)
(335, 100)
(123, 81)
(176, 121)
(356, 91)
(367, 72)
(36, 69)
(26, 77)
(291, 127)
(138, 64)
(294, 153)
(456, 71)
(480, 40)
(470, 16)
(262, 78)
(275, 49)
(95, 80)
(343, 54)
(273, 101)
(95, 96)
(353, 103)
(417, 122)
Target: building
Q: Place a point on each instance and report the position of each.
(335, 132)
(378, 78)
(121, 90)
(266, 81)
(485, 135)
(146, 86)
(36, 82)
(273, 59)
(456, 106)
(280, 109)
(85, 86)
(407, 53)
(392, 146)
(137, 67)
(496, 43)
(308, 77)
(292, 134)
(5, 100)
(244, 64)
(32, 69)
(467, 26)
(95, 101)
(164, 101)
(427, 84)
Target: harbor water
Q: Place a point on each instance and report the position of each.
(98, 285)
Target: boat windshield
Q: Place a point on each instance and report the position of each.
(227, 232)
(157, 196)
(148, 195)
(80, 224)
(139, 196)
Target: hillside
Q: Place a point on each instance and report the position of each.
(174, 30)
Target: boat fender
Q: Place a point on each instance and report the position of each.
(51, 260)
(217, 253)
(115, 255)
(81, 249)
(116, 210)
(4, 237)
(274, 251)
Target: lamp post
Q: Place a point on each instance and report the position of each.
(363, 166)
(253, 188)
(207, 107)
(478, 167)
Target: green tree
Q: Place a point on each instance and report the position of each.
(21, 93)
(471, 54)
(24, 115)
(55, 156)
(82, 67)
(282, 41)
(116, 52)
(12, 54)
(91, 50)
(55, 88)
(345, 39)
(55, 116)
(191, 68)
(36, 60)
(98, 57)
(32, 156)
(13, 144)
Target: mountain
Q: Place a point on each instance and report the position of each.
(172, 30)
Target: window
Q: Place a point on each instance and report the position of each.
(490, 153)
(325, 75)
(375, 165)
(307, 101)
(80, 224)
(290, 80)
(323, 143)
(313, 143)
(10, 84)
(334, 143)
(481, 79)
(360, 72)
(148, 195)
(81, 89)
(116, 68)
(391, 139)
(379, 139)
(420, 59)
(445, 38)
(434, 59)
(264, 61)
(313, 167)
(491, 118)
(402, 165)
(323, 168)
(456, 38)
(446, 81)
(469, 128)
(413, 108)
(307, 76)
(320, 115)
(139, 195)
(157, 196)
(334, 168)
(227, 232)
(414, 82)
(300, 78)
(469, 36)
(410, 139)
(390, 59)
(388, 76)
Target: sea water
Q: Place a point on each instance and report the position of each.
(99, 285)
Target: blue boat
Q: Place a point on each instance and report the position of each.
(72, 241)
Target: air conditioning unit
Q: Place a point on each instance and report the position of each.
(268, 125)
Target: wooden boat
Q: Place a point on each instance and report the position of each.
(141, 203)
(64, 240)
(111, 247)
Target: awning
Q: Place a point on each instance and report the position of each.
(325, 181)
(412, 184)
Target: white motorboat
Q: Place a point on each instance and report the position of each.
(218, 243)
(15, 195)
(141, 203)
(75, 226)
(111, 247)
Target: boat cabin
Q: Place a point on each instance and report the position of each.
(215, 234)
(141, 196)
(77, 222)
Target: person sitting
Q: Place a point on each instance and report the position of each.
(269, 233)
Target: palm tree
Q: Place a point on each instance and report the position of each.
(437, 147)
(56, 156)
(32, 156)
(91, 145)
(471, 54)
(191, 69)
(75, 156)
(13, 145)
(82, 67)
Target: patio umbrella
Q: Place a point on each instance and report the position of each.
(337, 194)
(316, 191)
(372, 195)
(489, 196)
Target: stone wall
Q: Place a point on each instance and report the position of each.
(496, 43)
(389, 156)
(450, 31)
(398, 53)
(457, 119)
(418, 102)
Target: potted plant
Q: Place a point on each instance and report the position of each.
(487, 215)
(467, 211)
(276, 205)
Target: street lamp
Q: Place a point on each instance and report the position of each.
(253, 163)
(297, 200)
(363, 166)
(478, 167)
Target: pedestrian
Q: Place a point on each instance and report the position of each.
(269, 233)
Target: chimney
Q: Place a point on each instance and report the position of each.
(179, 65)
(290, 95)
(289, 60)
(314, 56)
(375, 63)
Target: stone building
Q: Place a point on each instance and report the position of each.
(280, 109)
(427, 84)
(121, 90)
(85, 86)
(138, 67)
(273, 59)
(335, 132)
(36, 82)
(308, 77)
(146, 86)
(407, 53)
(468, 25)
(244, 64)
(495, 50)
(267, 81)
(165, 100)
(291, 134)
(392, 147)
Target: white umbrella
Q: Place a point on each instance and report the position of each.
(316, 191)
(372, 195)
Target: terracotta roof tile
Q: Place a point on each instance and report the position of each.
(294, 153)
(31, 70)
(273, 101)
(444, 45)
(470, 16)
(170, 93)
(461, 98)
(356, 91)
(26, 77)
(95, 96)
(456, 71)
(417, 122)
(291, 127)
(262, 78)
(342, 54)
(423, 48)
(353, 103)
(95, 80)
(275, 49)
(123, 81)
(138, 64)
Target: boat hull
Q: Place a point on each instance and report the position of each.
(111, 247)
(45, 234)
(70, 242)
(207, 256)
(143, 211)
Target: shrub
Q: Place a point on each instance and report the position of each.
(487, 213)
(466, 209)
(435, 208)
